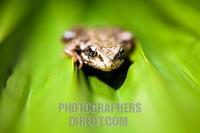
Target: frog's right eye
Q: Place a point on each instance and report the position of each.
(90, 53)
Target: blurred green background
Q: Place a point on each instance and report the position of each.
(35, 76)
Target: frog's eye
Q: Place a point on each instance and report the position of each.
(121, 54)
(90, 53)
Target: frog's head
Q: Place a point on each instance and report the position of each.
(103, 57)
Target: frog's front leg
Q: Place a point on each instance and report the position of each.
(71, 51)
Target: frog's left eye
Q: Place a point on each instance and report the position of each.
(120, 55)
(90, 53)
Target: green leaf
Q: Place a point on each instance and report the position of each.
(35, 75)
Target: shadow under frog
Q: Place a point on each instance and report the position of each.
(114, 78)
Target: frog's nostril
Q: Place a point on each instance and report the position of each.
(100, 57)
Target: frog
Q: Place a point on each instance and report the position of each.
(104, 48)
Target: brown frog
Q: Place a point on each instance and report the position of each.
(101, 48)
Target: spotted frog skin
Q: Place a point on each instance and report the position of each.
(101, 48)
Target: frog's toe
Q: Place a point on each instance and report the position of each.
(80, 62)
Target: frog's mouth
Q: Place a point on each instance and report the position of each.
(113, 65)
(104, 65)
